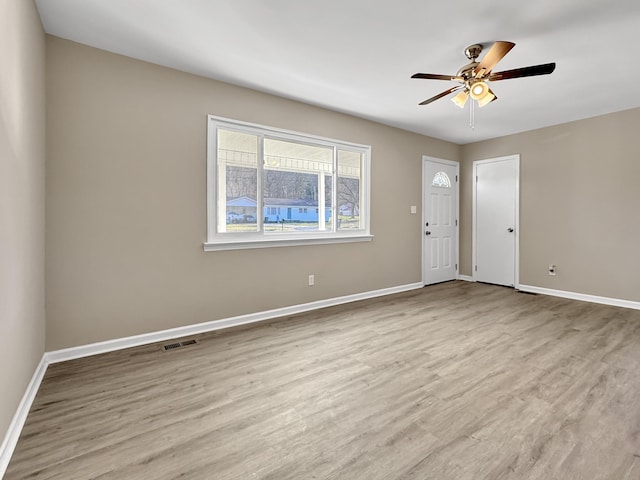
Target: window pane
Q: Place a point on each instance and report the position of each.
(294, 184)
(328, 189)
(441, 179)
(349, 190)
(237, 181)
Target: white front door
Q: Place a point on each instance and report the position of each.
(496, 220)
(440, 224)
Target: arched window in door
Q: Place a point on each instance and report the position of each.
(441, 179)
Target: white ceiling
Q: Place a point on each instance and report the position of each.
(357, 56)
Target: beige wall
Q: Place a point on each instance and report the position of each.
(579, 204)
(126, 202)
(22, 161)
(126, 191)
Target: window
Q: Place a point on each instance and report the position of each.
(441, 179)
(270, 187)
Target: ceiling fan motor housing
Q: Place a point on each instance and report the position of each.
(467, 71)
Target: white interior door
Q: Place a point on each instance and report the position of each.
(440, 224)
(496, 220)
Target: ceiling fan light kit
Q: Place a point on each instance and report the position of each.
(478, 90)
(461, 98)
(486, 99)
(474, 76)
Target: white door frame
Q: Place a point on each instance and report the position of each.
(515, 157)
(426, 158)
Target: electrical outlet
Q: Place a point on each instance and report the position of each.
(312, 280)
(552, 269)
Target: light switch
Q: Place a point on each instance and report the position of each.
(413, 209)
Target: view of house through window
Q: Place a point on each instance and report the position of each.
(267, 184)
(297, 181)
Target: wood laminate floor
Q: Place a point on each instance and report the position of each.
(454, 381)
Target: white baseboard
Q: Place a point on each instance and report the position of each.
(466, 278)
(616, 302)
(11, 438)
(160, 336)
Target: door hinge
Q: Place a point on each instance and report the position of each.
(476, 178)
(456, 266)
(476, 268)
(456, 222)
(456, 178)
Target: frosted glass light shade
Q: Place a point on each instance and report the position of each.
(461, 98)
(488, 98)
(479, 90)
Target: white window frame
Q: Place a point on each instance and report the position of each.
(243, 240)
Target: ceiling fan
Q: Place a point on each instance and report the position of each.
(474, 76)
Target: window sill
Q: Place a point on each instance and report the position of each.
(284, 242)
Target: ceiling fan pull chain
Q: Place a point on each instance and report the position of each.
(472, 119)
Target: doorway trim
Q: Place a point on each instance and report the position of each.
(426, 158)
(516, 157)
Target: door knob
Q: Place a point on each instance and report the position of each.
(427, 233)
(510, 230)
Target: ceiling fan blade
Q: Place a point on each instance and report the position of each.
(435, 76)
(544, 69)
(440, 95)
(492, 57)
